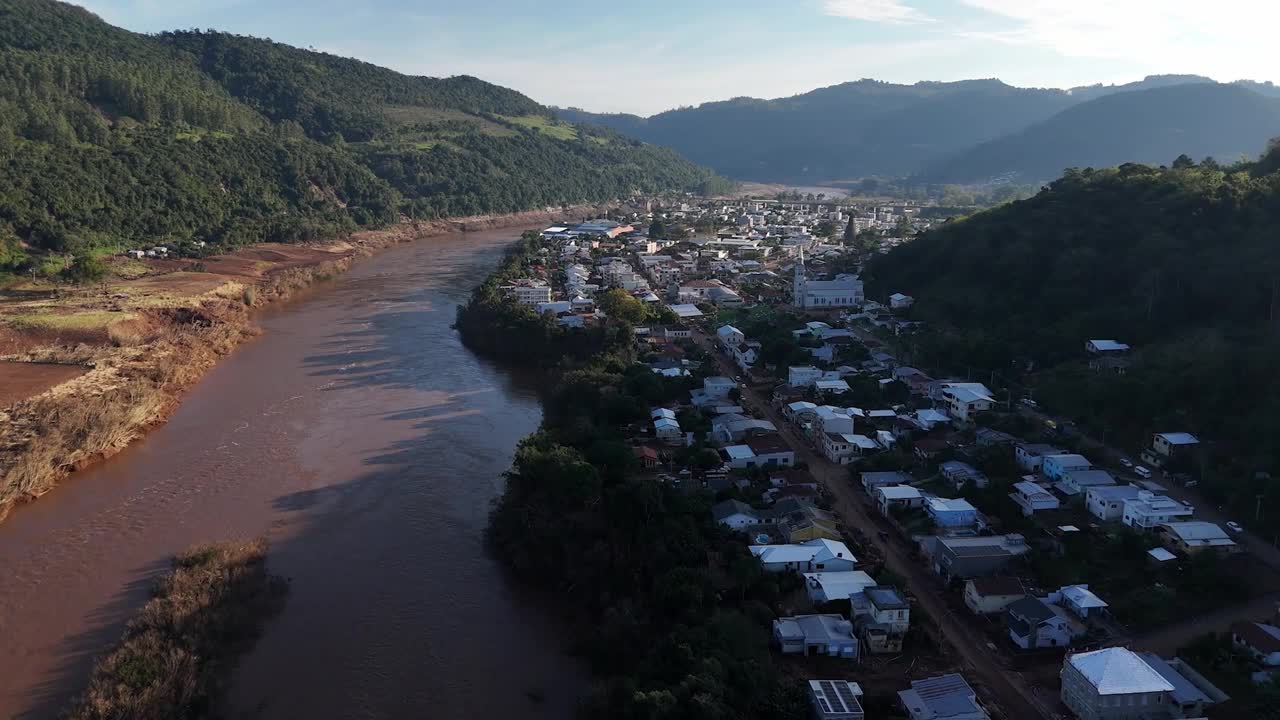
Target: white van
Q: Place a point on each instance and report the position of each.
(1142, 471)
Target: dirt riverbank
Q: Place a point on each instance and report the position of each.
(128, 347)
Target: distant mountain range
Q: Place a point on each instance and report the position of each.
(967, 131)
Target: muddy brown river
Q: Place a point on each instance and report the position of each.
(367, 443)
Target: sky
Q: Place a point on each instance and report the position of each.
(645, 57)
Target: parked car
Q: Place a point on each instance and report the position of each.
(1234, 527)
(1030, 403)
(1142, 471)
(1126, 463)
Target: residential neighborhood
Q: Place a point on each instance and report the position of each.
(872, 487)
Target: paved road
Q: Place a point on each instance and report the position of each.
(1010, 689)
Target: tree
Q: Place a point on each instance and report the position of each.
(619, 305)
(1183, 162)
(850, 231)
(657, 229)
(85, 269)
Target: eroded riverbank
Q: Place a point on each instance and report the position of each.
(367, 443)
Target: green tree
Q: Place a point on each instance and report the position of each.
(620, 305)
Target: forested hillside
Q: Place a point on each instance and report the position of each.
(1148, 126)
(961, 132)
(849, 130)
(1182, 263)
(113, 139)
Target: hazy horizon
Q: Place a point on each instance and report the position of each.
(665, 55)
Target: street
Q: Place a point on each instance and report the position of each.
(1009, 688)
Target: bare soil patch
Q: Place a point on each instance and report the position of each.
(19, 381)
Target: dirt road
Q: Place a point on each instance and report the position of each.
(1008, 688)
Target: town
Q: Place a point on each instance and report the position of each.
(952, 550)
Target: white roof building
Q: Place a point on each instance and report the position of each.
(831, 586)
(1119, 671)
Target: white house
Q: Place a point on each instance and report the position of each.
(736, 515)
(834, 419)
(964, 402)
(1078, 482)
(1032, 498)
(803, 376)
(1106, 502)
(730, 336)
(946, 697)
(1260, 640)
(811, 556)
(718, 387)
(530, 292)
(1034, 623)
(815, 635)
(1148, 511)
(1079, 600)
(898, 301)
(1030, 456)
(824, 587)
(888, 497)
(1169, 446)
(844, 448)
(836, 700)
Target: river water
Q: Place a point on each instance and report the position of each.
(367, 443)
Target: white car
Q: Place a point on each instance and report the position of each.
(1126, 463)
(1142, 471)
(1234, 527)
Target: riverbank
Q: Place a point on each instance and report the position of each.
(121, 353)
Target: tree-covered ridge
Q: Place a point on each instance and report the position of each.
(1182, 263)
(112, 139)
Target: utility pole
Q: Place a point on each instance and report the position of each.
(1257, 513)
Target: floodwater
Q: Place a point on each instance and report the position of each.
(367, 443)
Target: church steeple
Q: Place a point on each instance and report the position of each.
(797, 292)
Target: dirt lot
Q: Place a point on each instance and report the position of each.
(19, 381)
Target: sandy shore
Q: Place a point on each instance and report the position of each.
(102, 363)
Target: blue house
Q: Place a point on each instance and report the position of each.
(950, 513)
(1055, 467)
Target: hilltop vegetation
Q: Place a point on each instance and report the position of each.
(112, 139)
(1180, 262)
(961, 132)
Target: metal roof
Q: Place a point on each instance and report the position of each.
(1082, 597)
(1119, 671)
(1179, 438)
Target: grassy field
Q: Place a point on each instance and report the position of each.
(546, 126)
(92, 320)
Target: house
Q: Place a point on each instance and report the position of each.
(1121, 684)
(659, 413)
(1169, 447)
(964, 402)
(1148, 511)
(736, 515)
(730, 336)
(830, 635)
(771, 450)
(803, 376)
(825, 587)
(844, 448)
(929, 418)
(836, 700)
(1106, 502)
(898, 301)
(873, 480)
(960, 474)
(802, 411)
(667, 430)
(1035, 624)
(991, 595)
(1260, 640)
(799, 520)
(718, 387)
(1055, 467)
(1105, 347)
(882, 616)
(811, 556)
(835, 387)
(1030, 456)
(1079, 600)
(1107, 355)
(1195, 537)
(1078, 482)
(648, 457)
(951, 513)
(530, 292)
(834, 420)
(1032, 498)
(947, 697)
(888, 497)
(731, 427)
(969, 557)
(745, 354)
(987, 437)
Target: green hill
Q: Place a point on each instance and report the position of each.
(112, 138)
(1148, 126)
(1182, 263)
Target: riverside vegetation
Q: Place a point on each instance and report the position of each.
(673, 609)
(177, 652)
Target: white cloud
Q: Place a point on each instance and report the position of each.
(1224, 37)
(880, 11)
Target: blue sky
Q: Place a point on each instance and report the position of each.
(645, 57)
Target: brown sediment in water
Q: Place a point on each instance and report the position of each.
(133, 347)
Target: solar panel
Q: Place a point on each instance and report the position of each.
(847, 697)
(826, 708)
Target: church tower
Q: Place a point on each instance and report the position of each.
(797, 292)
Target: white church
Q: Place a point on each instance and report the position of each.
(843, 291)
